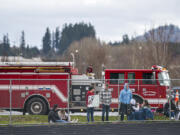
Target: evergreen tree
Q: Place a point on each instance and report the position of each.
(53, 41)
(14, 50)
(5, 48)
(76, 32)
(125, 39)
(1, 49)
(57, 38)
(6, 45)
(22, 44)
(28, 52)
(34, 52)
(47, 42)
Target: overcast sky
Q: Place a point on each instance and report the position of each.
(111, 18)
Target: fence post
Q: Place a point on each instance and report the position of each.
(118, 103)
(170, 96)
(138, 90)
(68, 98)
(10, 102)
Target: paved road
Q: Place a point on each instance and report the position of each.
(95, 129)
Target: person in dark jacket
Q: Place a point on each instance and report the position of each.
(53, 115)
(172, 111)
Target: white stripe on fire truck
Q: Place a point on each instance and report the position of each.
(151, 101)
(36, 87)
(157, 101)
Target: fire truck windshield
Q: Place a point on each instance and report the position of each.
(163, 78)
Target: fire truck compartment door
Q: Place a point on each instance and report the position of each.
(78, 95)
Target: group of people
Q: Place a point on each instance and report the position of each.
(59, 116)
(105, 99)
(128, 106)
(55, 115)
(133, 110)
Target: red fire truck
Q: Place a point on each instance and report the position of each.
(146, 84)
(34, 87)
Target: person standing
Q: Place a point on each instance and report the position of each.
(89, 101)
(124, 99)
(105, 97)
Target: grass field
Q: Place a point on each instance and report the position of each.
(38, 119)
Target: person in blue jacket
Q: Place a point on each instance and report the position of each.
(124, 99)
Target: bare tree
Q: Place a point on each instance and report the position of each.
(90, 52)
(159, 40)
(154, 50)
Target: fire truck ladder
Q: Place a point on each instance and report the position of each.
(38, 66)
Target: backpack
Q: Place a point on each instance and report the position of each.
(129, 109)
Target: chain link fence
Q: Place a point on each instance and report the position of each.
(28, 101)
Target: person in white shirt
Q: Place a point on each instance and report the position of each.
(135, 107)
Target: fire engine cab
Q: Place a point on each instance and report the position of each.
(146, 84)
(35, 87)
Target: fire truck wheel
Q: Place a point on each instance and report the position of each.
(36, 106)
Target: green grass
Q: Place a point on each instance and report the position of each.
(160, 117)
(38, 119)
(96, 118)
(24, 119)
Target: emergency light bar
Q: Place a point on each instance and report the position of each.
(36, 63)
(156, 67)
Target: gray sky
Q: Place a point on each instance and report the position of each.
(111, 18)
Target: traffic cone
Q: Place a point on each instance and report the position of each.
(176, 96)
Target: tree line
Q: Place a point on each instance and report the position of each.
(154, 48)
(54, 43)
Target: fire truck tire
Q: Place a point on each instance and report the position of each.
(36, 106)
